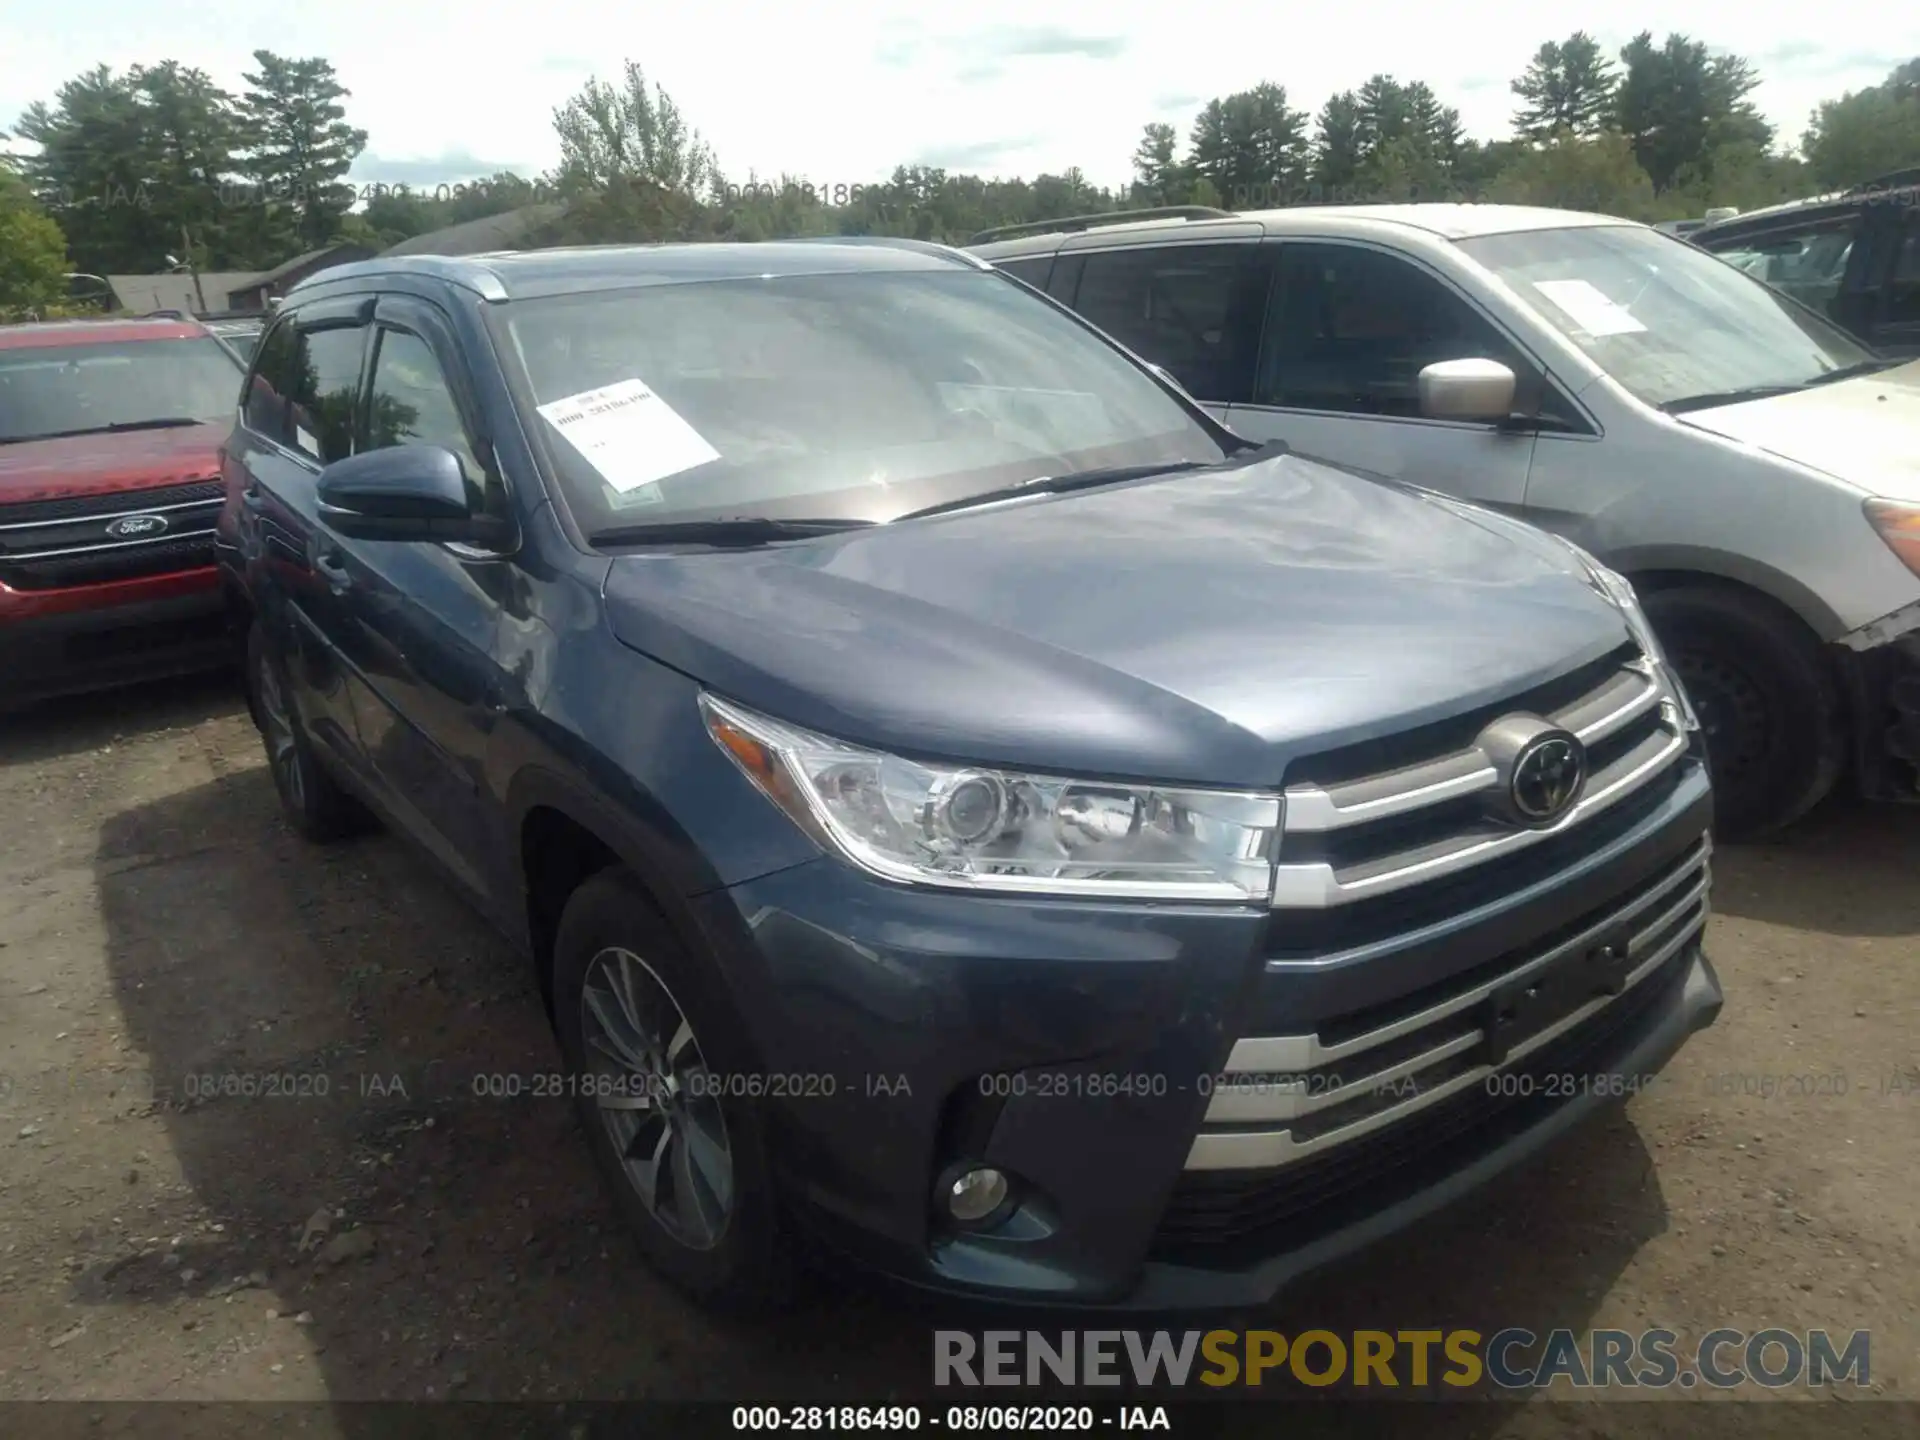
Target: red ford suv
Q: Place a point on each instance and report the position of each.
(110, 435)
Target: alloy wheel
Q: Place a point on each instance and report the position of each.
(656, 1098)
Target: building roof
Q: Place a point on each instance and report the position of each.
(516, 275)
(286, 268)
(477, 237)
(175, 292)
(45, 333)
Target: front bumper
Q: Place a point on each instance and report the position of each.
(91, 637)
(1073, 1046)
(1880, 667)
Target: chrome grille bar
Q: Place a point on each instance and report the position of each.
(1305, 1052)
(1625, 695)
(1317, 885)
(1679, 919)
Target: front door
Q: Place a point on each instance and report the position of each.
(422, 618)
(1348, 329)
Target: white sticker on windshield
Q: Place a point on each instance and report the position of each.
(629, 434)
(1592, 311)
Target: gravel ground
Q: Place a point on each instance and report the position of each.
(157, 921)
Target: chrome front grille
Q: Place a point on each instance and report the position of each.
(1396, 853)
(80, 540)
(1329, 1088)
(1353, 839)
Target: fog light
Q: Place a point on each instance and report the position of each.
(977, 1194)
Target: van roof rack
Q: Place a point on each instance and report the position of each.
(1109, 217)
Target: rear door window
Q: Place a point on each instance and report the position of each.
(1030, 268)
(1194, 309)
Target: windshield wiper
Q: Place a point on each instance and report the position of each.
(1725, 397)
(740, 530)
(1850, 372)
(1054, 485)
(167, 422)
(1762, 392)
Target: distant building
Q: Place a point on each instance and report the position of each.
(226, 292)
(143, 294)
(504, 231)
(282, 278)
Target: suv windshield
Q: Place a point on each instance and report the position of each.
(830, 397)
(1670, 322)
(53, 390)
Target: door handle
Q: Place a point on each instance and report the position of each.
(252, 496)
(332, 564)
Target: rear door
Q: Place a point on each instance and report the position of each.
(1898, 331)
(300, 411)
(1348, 328)
(421, 619)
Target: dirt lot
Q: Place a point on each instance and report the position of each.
(157, 922)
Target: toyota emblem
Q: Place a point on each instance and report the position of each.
(1547, 776)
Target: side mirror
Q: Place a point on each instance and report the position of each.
(1467, 390)
(404, 492)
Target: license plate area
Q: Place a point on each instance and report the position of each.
(1521, 1008)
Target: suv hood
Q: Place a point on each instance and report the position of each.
(1200, 628)
(1865, 431)
(100, 464)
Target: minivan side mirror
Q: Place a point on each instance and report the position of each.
(404, 492)
(1467, 390)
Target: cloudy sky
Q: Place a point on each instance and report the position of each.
(841, 95)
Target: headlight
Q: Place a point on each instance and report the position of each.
(1898, 523)
(1617, 588)
(977, 828)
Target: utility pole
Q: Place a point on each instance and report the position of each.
(186, 244)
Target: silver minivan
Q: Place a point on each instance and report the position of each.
(1754, 470)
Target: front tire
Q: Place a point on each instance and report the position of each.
(651, 1042)
(1767, 699)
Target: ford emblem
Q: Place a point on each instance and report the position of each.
(128, 527)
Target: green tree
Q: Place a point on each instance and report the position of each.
(91, 175)
(1677, 105)
(188, 134)
(1866, 133)
(1158, 176)
(1567, 87)
(631, 135)
(1337, 147)
(33, 252)
(298, 150)
(1253, 146)
(1566, 172)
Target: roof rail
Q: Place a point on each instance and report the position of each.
(900, 242)
(1892, 179)
(1110, 217)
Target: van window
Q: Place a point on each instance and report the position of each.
(1350, 330)
(1191, 308)
(1030, 268)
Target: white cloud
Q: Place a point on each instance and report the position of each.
(843, 94)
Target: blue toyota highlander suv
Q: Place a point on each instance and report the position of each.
(972, 815)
